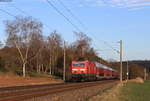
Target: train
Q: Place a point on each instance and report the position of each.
(90, 71)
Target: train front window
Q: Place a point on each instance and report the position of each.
(78, 65)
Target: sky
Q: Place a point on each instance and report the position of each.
(105, 21)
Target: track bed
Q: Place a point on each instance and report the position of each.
(32, 92)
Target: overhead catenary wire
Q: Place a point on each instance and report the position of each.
(106, 43)
(59, 12)
(72, 14)
(10, 14)
(62, 15)
(25, 13)
(76, 19)
(112, 47)
(20, 10)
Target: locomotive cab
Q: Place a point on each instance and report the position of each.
(83, 71)
(79, 67)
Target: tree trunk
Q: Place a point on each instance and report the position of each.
(46, 68)
(53, 65)
(24, 69)
(39, 67)
(50, 66)
(42, 69)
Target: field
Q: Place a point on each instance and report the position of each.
(136, 91)
(130, 91)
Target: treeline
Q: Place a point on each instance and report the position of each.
(143, 63)
(138, 67)
(28, 51)
(135, 69)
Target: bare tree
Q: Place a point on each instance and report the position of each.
(20, 31)
(82, 43)
(54, 43)
(37, 45)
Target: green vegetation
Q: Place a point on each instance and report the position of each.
(136, 92)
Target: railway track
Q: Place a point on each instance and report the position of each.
(28, 92)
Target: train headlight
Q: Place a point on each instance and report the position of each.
(75, 69)
(82, 69)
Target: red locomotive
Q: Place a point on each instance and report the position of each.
(89, 71)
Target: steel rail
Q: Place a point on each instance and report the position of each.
(23, 94)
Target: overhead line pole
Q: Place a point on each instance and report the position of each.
(127, 70)
(145, 73)
(64, 73)
(121, 61)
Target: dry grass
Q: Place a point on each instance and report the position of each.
(13, 80)
(110, 95)
(137, 80)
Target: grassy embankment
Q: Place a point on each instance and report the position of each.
(136, 92)
(12, 79)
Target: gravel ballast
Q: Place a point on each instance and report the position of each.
(83, 94)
